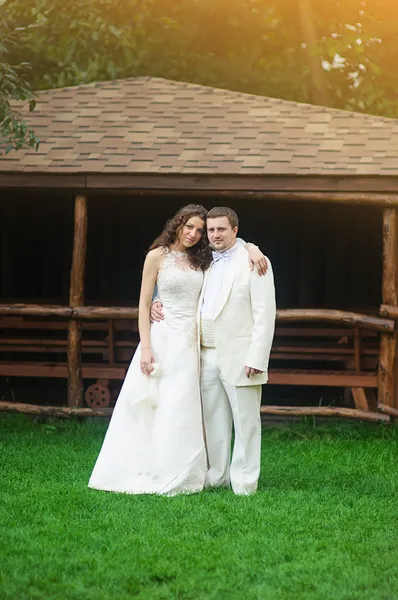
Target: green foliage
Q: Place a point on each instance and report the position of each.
(253, 46)
(14, 86)
(246, 45)
(327, 502)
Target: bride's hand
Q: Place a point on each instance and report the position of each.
(146, 361)
(257, 259)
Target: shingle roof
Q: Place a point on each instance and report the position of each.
(158, 126)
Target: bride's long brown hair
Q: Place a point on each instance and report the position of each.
(200, 254)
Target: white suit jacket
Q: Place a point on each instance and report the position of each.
(244, 321)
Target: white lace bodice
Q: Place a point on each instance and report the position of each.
(179, 288)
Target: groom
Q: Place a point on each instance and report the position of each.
(236, 320)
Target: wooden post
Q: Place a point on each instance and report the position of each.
(76, 298)
(360, 400)
(111, 342)
(357, 349)
(388, 343)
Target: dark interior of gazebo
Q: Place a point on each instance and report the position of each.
(323, 255)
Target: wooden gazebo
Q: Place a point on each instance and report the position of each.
(143, 140)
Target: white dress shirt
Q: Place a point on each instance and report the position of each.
(215, 279)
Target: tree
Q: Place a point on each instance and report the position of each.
(319, 91)
(14, 86)
(340, 53)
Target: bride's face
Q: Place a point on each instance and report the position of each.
(191, 233)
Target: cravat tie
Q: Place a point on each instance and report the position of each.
(220, 256)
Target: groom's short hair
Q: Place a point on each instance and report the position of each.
(224, 211)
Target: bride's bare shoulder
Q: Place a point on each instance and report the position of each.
(155, 256)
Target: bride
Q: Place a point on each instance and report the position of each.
(154, 443)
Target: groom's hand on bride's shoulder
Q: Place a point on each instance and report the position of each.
(156, 313)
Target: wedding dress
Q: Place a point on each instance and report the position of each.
(154, 443)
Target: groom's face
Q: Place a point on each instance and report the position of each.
(220, 233)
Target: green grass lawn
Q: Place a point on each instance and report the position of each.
(324, 524)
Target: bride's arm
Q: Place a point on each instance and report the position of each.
(149, 275)
(256, 257)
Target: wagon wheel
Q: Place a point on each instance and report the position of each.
(97, 396)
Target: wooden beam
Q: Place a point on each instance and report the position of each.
(117, 372)
(370, 199)
(197, 183)
(36, 310)
(388, 343)
(60, 370)
(387, 362)
(53, 411)
(337, 317)
(390, 266)
(317, 411)
(75, 379)
(19, 322)
(319, 197)
(76, 294)
(76, 297)
(88, 313)
(387, 310)
(357, 349)
(33, 369)
(388, 410)
(111, 342)
(37, 180)
(371, 399)
(323, 411)
(360, 400)
(313, 377)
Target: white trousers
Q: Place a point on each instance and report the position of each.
(224, 405)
